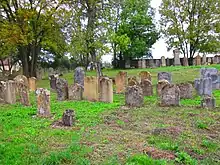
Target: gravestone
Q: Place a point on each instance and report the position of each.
(213, 73)
(208, 102)
(68, 118)
(139, 63)
(127, 64)
(132, 81)
(10, 92)
(43, 102)
(176, 53)
(203, 86)
(23, 93)
(204, 62)
(145, 75)
(209, 60)
(21, 78)
(170, 95)
(163, 61)
(158, 63)
(168, 62)
(144, 63)
(50, 72)
(79, 76)
(198, 60)
(91, 91)
(151, 63)
(215, 60)
(62, 89)
(186, 90)
(106, 90)
(32, 84)
(146, 87)
(2, 91)
(185, 61)
(160, 85)
(53, 79)
(134, 96)
(121, 82)
(39, 73)
(75, 92)
(164, 76)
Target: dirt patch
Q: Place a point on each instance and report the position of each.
(159, 154)
(59, 125)
(173, 131)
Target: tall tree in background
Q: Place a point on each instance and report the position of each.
(28, 27)
(191, 25)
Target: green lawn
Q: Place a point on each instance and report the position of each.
(111, 133)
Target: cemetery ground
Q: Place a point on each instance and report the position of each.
(112, 133)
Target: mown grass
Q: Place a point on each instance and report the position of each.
(108, 134)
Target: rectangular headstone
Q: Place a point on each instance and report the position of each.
(213, 74)
(165, 76)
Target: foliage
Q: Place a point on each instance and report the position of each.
(191, 25)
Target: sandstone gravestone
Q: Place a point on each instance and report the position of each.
(106, 90)
(62, 89)
(2, 91)
(32, 83)
(163, 61)
(203, 86)
(134, 96)
(198, 60)
(213, 73)
(185, 61)
(176, 53)
(186, 90)
(23, 93)
(147, 87)
(68, 118)
(208, 102)
(53, 79)
(121, 82)
(10, 92)
(132, 81)
(75, 92)
(91, 92)
(170, 95)
(43, 102)
(160, 85)
(164, 76)
(79, 76)
(145, 75)
(204, 59)
(21, 78)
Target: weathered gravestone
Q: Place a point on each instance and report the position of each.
(215, 60)
(32, 83)
(209, 60)
(106, 90)
(151, 63)
(170, 95)
(186, 90)
(91, 92)
(43, 102)
(39, 73)
(176, 53)
(185, 61)
(134, 96)
(208, 102)
(145, 75)
(158, 62)
(53, 79)
(23, 91)
(213, 74)
(164, 76)
(168, 62)
(62, 89)
(163, 61)
(132, 81)
(75, 92)
(198, 60)
(68, 118)
(2, 91)
(79, 76)
(144, 63)
(204, 62)
(127, 64)
(160, 85)
(121, 82)
(21, 78)
(146, 87)
(203, 86)
(50, 72)
(10, 92)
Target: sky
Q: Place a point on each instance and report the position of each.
(159, 48)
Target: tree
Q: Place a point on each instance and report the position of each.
(191, 25)
(31, 26)
(135, 31)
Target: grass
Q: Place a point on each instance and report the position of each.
(110, 133)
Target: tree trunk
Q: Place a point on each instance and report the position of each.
(99, 69)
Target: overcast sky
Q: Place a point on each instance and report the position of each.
(159, 48)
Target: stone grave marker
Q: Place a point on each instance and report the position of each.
(204, 62)
(23, 91)
(163, 61)
(145, 75)
(106, 90)
(198, 60)
(160, 85)
(10, 92)
(176, 53)
(2, 91)
(62, 89)
(185, 61)
(186, 90)
(170, 95)
(21, 78)
(147, 87)
(209, 60)
(53, 79)
(203, 86)
(68, 118)
(75, 92)
(121, 82)
(91, 91)
(132, 81)
(164, 76)
(43, 102)
(213, 73)
(127, 64)
(32, 83)
(79, 76)
(134, 96)
(208, 102)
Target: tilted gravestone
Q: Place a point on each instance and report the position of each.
(170, 95)
(160, 85)
(145, 75)
(62, 89)
(146, 87)
(121, 82)
(75, 92)
(43, 102)
(186, 90)
(164, 76)
(134, 96)
(106, 90)
(68, 118)
(208, 102)
(50, 71)
(91, 91)
(79, 76)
